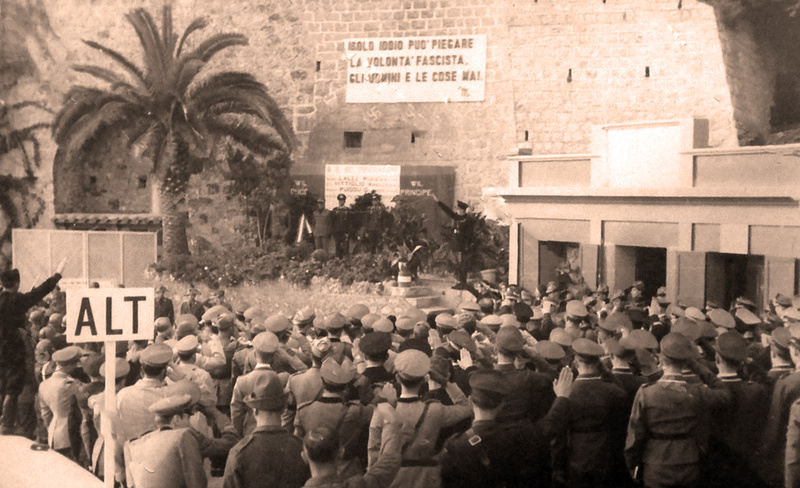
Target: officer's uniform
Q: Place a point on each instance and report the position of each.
(268, 456)
(59, 398)
(305, 386)
(421, 423)
(340, 220)
(792, 458)
(374, 344)
(195, 374)
(166, 457)
(490, 454)
(133, 402)
(669, 426)
(241, 416)
(596, 434)
(350, 418)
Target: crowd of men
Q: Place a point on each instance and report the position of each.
(517, 390)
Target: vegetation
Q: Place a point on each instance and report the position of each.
(173, 112)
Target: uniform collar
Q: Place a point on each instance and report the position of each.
(263, 366)
(674, 378)
(622, 371)
(269, 428)
(505, 367)
(409, 399)
(330, 400)
(729, 378)
(585, 377)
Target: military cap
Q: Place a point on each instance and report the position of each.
(486, 303)
(469, 306)
(47, 333)
(538, 314)
(509, 339)
(186, 319)
(618, 295)
(375, 343)
(589, 301)
(213, 313)
(525, 295)
(783, 300)
(781, 336)
(615, 347)
(462, 205)
(383, 324)
(156, 355)
(677, 346)
(688, 328)
(440, 369)
(187, 344)
(356, 311)
(412, 363)
(36, 315)
(161, 288)
(341, 196)
(91, 363)
(744, 302)
(277, 323)
(122, 368)
(489, 383)
(225, 321)
(254, 313)
(773, 319)
(268, 393)
(695, 314)
(240, 307)
(55, 318)
(561, 337)
(721, 318)
(552, 287)
(335, 321)
(731, 346)
(509, 319)
(549, 350)
(185, 387)
(446, 320)
(162, 324)
(576, 309)
(792, 314)
(637, 316)
(615, 321)
(587, 348)
(338, 374)
(492, 321)
(640, 339)
(747, 317)
(707, 330)
(9, 277)
(461, 339)
(794, 333)
(320, 346)
(405, 323)
(522, 311)
(266, 342)
(171, 405)
(368, 320)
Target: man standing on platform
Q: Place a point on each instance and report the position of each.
(13, 308)
(322, 226)
(340, 218)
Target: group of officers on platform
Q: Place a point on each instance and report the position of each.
(525, 389)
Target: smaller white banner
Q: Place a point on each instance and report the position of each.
(109, 314)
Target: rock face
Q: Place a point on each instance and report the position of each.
(553, 70)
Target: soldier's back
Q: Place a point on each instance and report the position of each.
(166, 459)
(269, 456)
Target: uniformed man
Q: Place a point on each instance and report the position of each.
(295, 357)
(792, 459)
(533, 391)
(186, 350)
(13, 308)
(191, 305)
(340, 220)
(305, 386)
(623, 355)
(421, 421)
(733, 447)
(265, 346)
(269, 456)
(59, 398)
(784, 394)
(163, 306)
(334, 327)
(96, 404)
(375, 347)
(171, 455)
(596, 434)
(668, 427)
(133, 402)
(331, 409)
(779, 355)
(494, 454)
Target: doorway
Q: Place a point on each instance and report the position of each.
(729, 276)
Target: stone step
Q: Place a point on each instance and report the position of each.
(411, 291)
(436, 310)
(425, 301)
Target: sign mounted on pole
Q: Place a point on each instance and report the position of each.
(109, 314)
(416, 69)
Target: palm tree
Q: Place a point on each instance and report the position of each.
(170, 113)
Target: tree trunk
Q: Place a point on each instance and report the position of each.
(173, 225)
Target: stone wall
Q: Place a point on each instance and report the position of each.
(554, 68)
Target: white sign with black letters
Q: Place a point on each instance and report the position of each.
(109, 314)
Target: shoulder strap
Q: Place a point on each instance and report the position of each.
(416, 427)
(344, 415)
(476, 442)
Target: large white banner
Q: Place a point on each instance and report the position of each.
(416, 69)
(356, 179)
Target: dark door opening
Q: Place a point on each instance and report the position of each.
(651, 269)
(555, 256)
(730, 276)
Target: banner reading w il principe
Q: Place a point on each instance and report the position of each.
(416, 69)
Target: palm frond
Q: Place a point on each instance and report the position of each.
(114, 114)
(167, 31)
(147, 31)
(197, 24)
(119, 58)
(246, 135)
(217, 43)
(189, 69)
(101, 73)
(78, 101)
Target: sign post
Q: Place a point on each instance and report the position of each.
(109, 315)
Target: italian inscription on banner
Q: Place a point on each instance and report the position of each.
(416, 69)
(356, 179)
